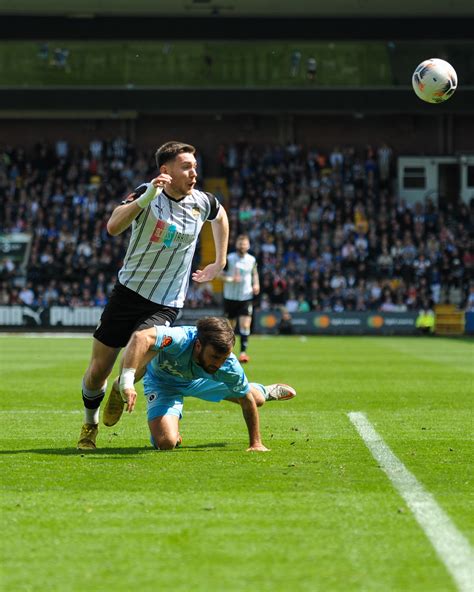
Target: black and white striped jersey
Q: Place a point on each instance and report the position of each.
(158, 261)
(241, 268)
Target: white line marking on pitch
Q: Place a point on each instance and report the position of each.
(47, 335)
(451, 545)
(35, 411)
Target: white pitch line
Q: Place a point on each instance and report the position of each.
(74, 411)
(451, 545)
(4, 335)
(36, 411)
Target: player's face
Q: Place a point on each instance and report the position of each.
(208, 358)
(242, 246)
(182, 170)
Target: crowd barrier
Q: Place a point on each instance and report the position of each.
(343, 323)
(79, 318)
(60, 318)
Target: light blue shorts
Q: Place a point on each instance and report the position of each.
(161, 401)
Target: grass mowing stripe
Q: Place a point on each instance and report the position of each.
(452, 547)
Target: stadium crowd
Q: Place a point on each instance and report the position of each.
(328, 230)
(330, 233)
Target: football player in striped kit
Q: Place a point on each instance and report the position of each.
(241, 285)
(166, 217)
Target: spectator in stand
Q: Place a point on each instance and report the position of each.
(27, 295)
(308, 215)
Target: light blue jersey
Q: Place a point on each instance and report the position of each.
(173, 374)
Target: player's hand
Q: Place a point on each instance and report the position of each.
(162, 180)
(258, 448)
(129, 396)
(208, 273)
(256, 290)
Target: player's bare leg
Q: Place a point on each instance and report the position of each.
(164, 431)
(94, 385)
(273, 392)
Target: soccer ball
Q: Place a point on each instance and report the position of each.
(434, 80)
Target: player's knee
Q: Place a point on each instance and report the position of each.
(165, 443)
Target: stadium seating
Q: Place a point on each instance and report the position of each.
(328, 230)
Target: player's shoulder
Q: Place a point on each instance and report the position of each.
(185, 332)
(231, 365)
(203, 195)
(208, 201)
(175, 336)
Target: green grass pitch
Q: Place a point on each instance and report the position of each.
(314, 514)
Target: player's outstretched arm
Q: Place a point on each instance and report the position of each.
(125, 214)
(134, 356)
(250, 412)
(220, 231)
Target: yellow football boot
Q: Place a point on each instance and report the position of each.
(88, 436)
(114, 407)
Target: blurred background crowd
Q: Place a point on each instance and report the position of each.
(328, 230)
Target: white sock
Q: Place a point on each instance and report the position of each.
(261, 388)
(91, 415)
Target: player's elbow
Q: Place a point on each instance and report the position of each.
(112, 228)
(115, 224)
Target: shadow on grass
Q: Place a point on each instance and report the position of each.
(107, 451)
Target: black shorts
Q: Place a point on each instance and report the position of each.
(125, 312)
(234, 309)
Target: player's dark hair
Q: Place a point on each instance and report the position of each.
(170, 150)
(217, 332)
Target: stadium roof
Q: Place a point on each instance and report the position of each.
(241, 8)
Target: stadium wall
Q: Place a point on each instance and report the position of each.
(60, 318)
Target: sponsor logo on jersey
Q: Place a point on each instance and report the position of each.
(167, 235)
(163, 233)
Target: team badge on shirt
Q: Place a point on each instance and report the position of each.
(167, 340)
(195, 212)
